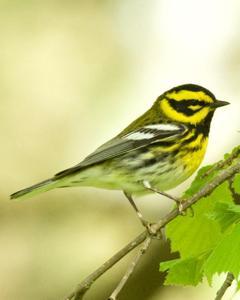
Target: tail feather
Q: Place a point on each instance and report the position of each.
(35, 189)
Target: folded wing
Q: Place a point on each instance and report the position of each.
(123, 144)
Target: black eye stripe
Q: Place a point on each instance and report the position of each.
(188, 102)
(183, 106)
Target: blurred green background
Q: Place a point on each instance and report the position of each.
(72, 75)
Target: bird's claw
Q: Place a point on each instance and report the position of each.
(152, 230)
(181, 210)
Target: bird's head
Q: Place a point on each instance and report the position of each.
(188, 103)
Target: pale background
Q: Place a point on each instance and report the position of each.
(72, 75)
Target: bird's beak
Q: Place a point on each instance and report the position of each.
(218, 103)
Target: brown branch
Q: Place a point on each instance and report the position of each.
(87, 282)
(131, 268)
(226, 162)
(227, 283)
(226, 174)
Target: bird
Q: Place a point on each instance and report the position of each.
(155, 153)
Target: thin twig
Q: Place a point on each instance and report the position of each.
(87, 282)
(131, 268)
(203, 192)
(226, 162)
(227, 283)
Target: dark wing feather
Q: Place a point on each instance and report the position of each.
(121, 145)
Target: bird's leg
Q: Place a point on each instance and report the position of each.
(178, 201)
(145, 223)
(139, 214)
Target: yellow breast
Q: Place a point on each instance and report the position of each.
(194, 153)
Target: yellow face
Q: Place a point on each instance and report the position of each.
(187, 106)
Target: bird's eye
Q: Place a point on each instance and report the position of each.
(195, 107)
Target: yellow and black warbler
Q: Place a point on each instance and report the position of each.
(158, 151)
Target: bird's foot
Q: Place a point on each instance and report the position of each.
(152, 229)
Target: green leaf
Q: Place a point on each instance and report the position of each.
(234, 208)
(225, 214)
(225, 257)
(183, 230)
(183, 271)
(209, 240)
(192, 236)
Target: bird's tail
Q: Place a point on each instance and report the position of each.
(35, 189)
